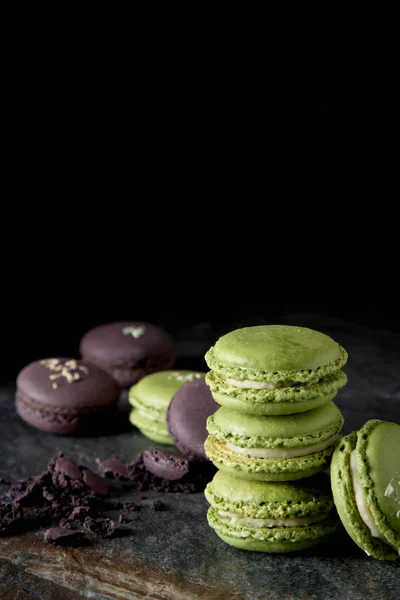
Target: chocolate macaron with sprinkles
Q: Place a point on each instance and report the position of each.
(65, 396)
(129, 350)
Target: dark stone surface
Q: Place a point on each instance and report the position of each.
(172, 553)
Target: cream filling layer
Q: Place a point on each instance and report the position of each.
(285, 452)
(362, 507)
(241, 520)
(261, 385)
(148, 415)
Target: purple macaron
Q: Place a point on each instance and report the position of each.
(187, 414)
(64, 396)
(129, 350)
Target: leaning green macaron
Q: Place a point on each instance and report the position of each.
(275, 448)
(365, 478)
(275, 369)
(271, 517)
(150, 398)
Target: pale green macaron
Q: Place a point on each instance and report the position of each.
(365, 476)
(150, 398)
(271, 517)
(275, 448)
(275, 369)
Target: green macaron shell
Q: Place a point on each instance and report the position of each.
(263, 500)
(154, 430)
(345, 502)
(378, 468)
(283, 431)
(293, 431)
(156, 390)
(275, 353)
(284, 400)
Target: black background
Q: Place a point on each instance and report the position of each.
(192, 215)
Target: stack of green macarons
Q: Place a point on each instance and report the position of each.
(273, 436)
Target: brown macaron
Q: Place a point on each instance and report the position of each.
(64, 395)
(129, 350)
(187, 415)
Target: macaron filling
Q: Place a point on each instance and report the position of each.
(236, 519)
(260, 385)
(281, 453)
(362, 507)
(266, 397)
(149, 414)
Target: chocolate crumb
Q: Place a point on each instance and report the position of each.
(10, 518)
(28, 491)
(77, 517)
(195, 480)
(95, 482)
(62, 497)
(113, 469)
(62, 537)
(100, 527)
(158, 505)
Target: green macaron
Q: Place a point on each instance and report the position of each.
(271, 517)
(365, 479)
(150, 398)
(275, 369)
(276, 448)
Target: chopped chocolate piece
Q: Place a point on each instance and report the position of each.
(101, 527)
(166, 464)
(159, 505)
(95, 482)
(28, 491)
(66, 494)
(10, 518)
(200, 473)
(113, 469)
(60, 536)
(65, 473)
(69, 468)
(79, 513)
(77, 517)
(49, 493)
